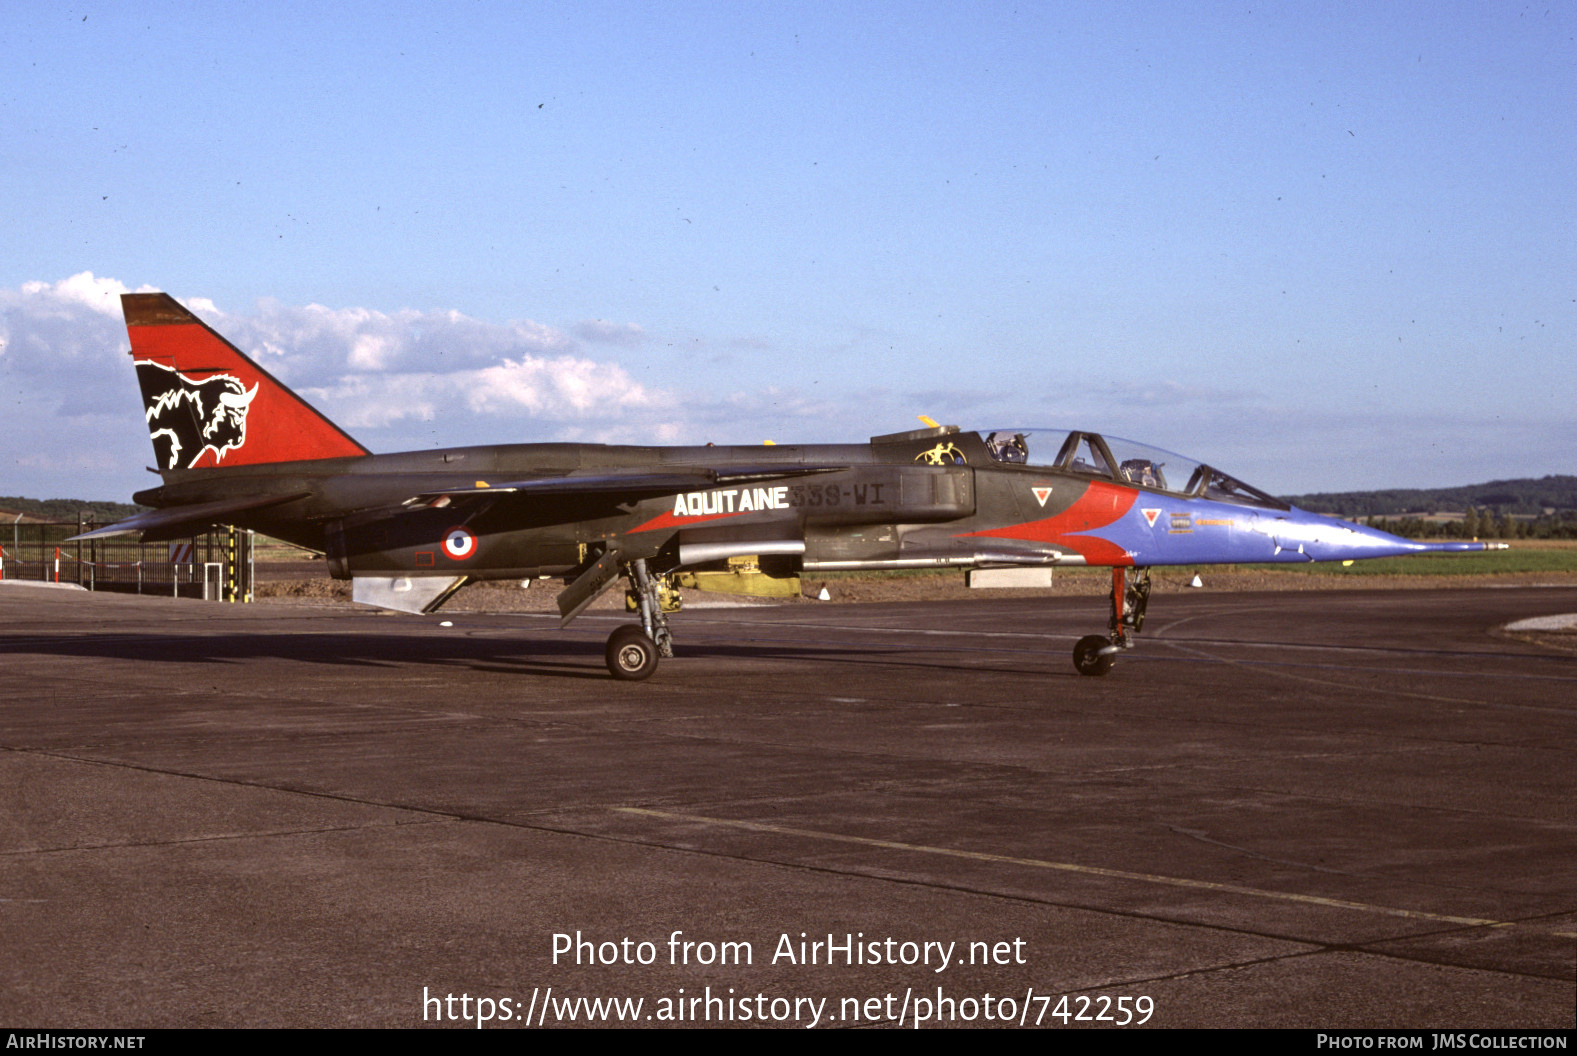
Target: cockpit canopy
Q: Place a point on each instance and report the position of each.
(1123, 462)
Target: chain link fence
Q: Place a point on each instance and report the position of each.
(213, 566)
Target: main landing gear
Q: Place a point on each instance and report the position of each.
(1094, 655)
(633, 651)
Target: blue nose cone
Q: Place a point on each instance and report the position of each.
(1322, 538)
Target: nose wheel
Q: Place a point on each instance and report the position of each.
(1094, 655)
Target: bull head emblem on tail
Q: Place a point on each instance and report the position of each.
(187, 417)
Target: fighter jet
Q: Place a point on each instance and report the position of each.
(237, 447)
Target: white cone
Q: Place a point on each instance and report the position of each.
(823, 596)
(1197, 582)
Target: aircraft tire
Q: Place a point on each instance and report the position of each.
(631, 655)
(1087, 658)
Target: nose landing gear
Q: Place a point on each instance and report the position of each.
(1094, 655)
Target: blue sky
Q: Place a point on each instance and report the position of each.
(1325, 246)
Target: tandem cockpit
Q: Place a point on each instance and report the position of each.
(1121, 461)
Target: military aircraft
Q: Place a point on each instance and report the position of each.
(235, 446)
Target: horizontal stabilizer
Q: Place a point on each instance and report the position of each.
(175, 521)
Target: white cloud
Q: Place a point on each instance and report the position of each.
(81, 290)
(60, 349)
(562, 384)
(600, 331)
(364, 366)
(371, 369)
(408, 378)
(371, 352)
(560, 389)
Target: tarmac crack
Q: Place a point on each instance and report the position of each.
(334, 797)
(1277, 668)
(1203, 837)
(214, 838)
(1096, 871)
(1322, 950)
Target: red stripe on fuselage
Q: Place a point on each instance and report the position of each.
(1101, 504)
(668, 519)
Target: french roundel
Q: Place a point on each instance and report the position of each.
(459, 544)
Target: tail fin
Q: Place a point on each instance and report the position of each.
(209, 405)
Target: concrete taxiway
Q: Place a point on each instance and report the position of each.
(1321, 810)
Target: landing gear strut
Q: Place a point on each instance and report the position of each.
(1094, 655)
(632, 651)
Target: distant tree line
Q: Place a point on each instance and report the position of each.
(1482, 524)
(1528, 497)
(67, 509)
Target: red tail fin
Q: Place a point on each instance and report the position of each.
(209, 405)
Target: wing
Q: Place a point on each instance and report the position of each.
(633, 484)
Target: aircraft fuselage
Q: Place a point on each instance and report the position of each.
(852, 506)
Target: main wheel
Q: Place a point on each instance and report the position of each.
(631, 655)
(1087, 656)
